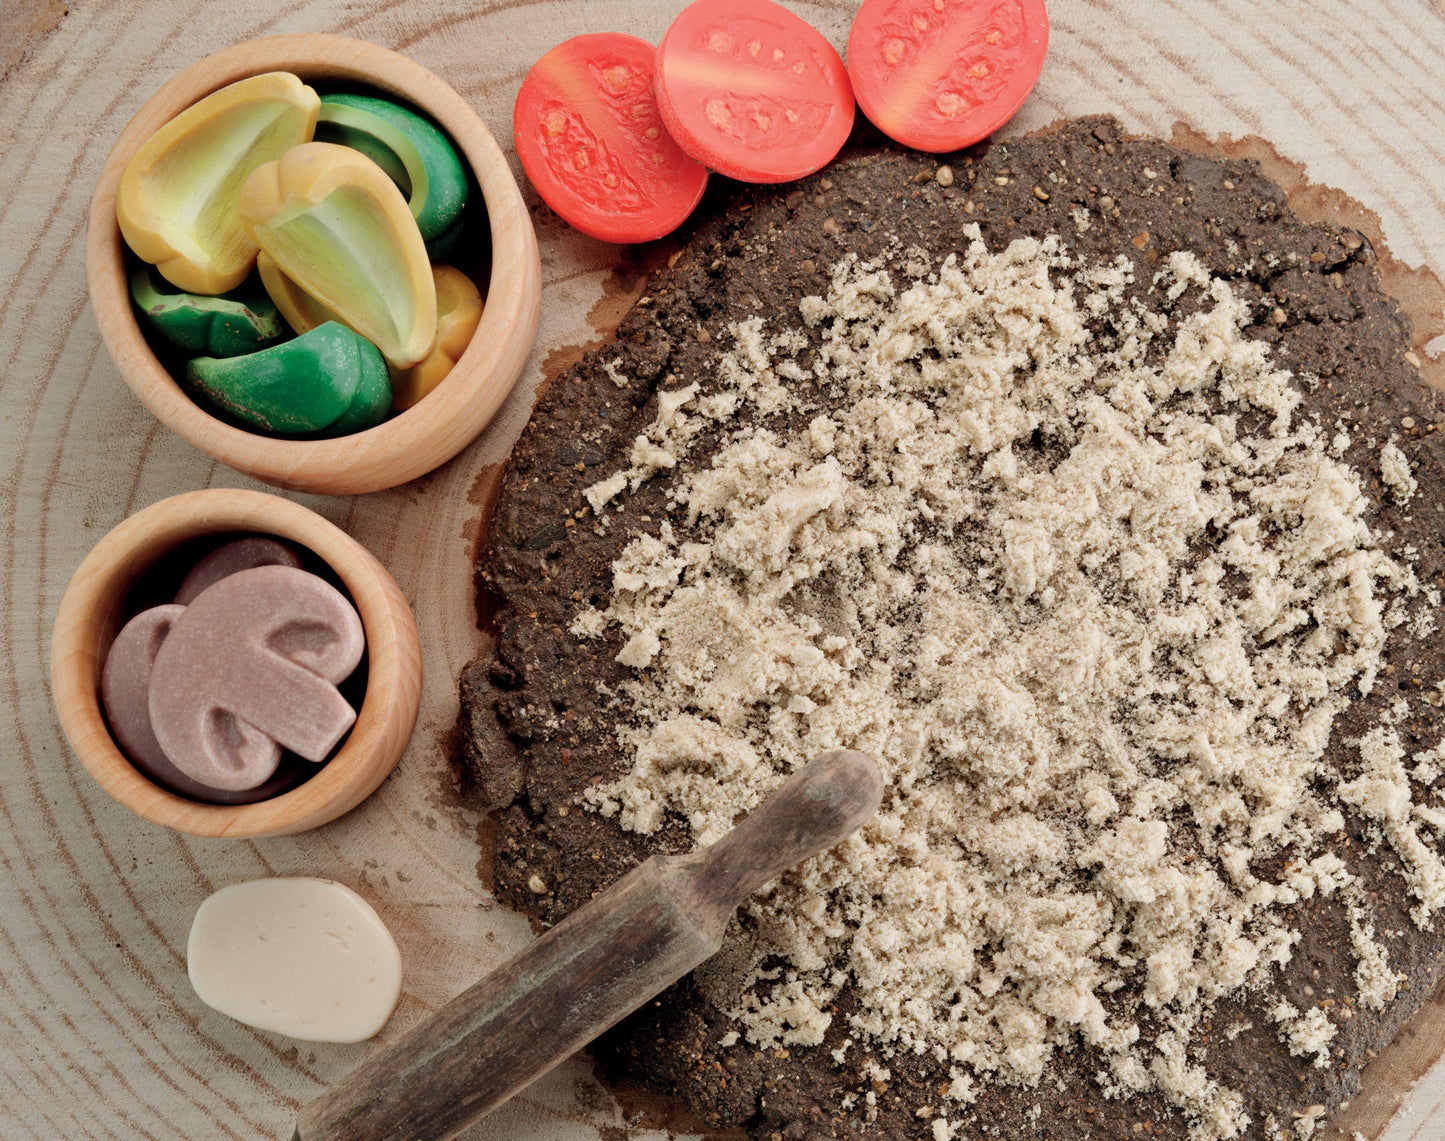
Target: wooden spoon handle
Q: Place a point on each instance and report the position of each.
(590, 971)
(817, 807)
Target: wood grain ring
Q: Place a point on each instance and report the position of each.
(419, 439)
(91, 613)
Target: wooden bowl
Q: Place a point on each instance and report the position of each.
(91, 613)
(452, 415)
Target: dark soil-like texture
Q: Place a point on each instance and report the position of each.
(1317, 302)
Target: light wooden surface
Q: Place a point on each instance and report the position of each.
(102, 1037)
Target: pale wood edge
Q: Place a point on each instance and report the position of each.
(89, 616)
(452, 415)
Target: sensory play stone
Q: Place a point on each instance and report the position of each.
(176, 203)
(299, 309)
(415, 154)
(304, 957)
(230, 558)
(459, 312)
(253, 663)
(125, 687)
(368, 407)
(301, 386)
(242, 321)
(339, 228)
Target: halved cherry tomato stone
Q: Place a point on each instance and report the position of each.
(590, 138)
(752, 90)
(938, 75)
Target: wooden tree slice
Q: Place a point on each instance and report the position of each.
(103, 1036)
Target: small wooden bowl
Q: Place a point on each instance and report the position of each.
(91, 614)
(452, 415)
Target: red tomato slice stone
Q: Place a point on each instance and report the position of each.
(752, 90)
(938, 75)
(591, 140)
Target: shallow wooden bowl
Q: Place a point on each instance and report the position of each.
(91, 614)
(451, 416)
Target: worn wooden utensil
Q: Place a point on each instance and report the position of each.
(590, 971)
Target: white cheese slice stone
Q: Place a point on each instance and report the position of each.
(308, 958)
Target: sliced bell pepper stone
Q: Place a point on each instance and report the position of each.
(176, 203)
(372, 402)
(462, 239)
(301, 311)
(413, 151)
(300, 386)
(459, 312)
(338, 227)
(242, 321)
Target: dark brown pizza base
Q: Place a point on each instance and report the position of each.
(1318, 306)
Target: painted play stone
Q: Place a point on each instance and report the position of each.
(329, 380)
(304, 957)
(176, 204)
(231, 558)
(336, 225)
(411, 149)
(254, 663)
(125, 688)
(459, 312)
(243, 321)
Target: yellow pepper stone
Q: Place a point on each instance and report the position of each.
(335, 224)
(459, 312)
(176, 203)
(297, 307)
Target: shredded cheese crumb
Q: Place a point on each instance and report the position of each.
(589, 623)
(1096, 633)
(1396, 474)
(614, 372)
(601, 493)
(1374, 979)
(1308, 1033)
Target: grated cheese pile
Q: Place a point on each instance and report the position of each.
(1094, 616)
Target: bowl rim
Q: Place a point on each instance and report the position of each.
(406, 445)
(90, 614)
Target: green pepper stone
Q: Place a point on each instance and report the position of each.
(411, 149)
(301, 386)
(466, 240)
(242, 321)
(451, 244)
(373, 396)
(337, 129)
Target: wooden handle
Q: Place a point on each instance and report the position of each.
(817, 807)
(590, 971)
